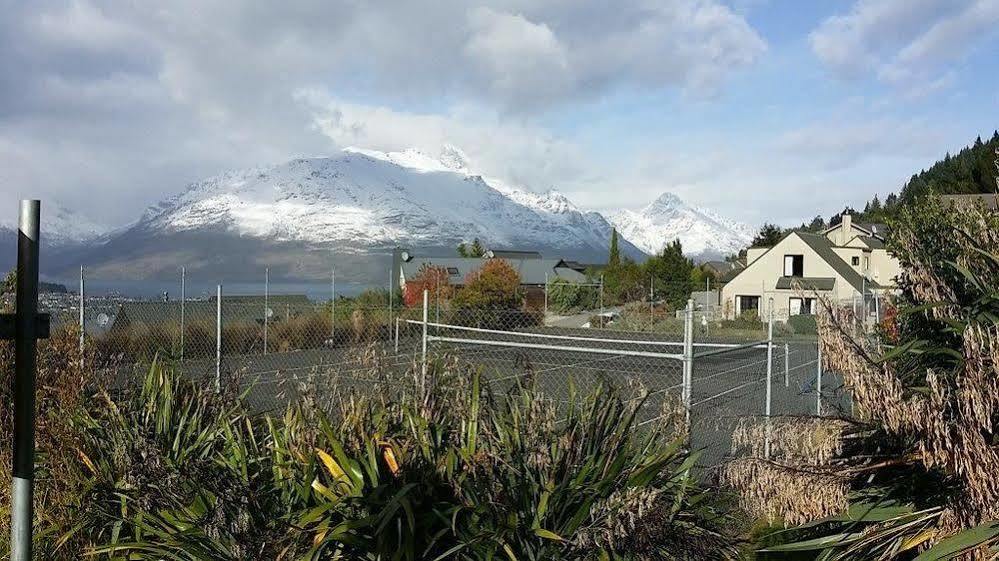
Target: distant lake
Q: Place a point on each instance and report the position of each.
(154, 289)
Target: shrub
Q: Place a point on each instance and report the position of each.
(403, 468)
(495, 286)
(565, 296)
(802, 324)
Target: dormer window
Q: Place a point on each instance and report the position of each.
(794, 265)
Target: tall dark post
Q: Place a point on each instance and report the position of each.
(26, 335)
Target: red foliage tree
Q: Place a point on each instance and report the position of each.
(432, 278)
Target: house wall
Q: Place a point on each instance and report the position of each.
(760, 278)
(848, 253)
(754, 252)
(884, 267)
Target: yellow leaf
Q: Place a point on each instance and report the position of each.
(547, 534)
(389, 457)
(90, 465)
(918, 539)
(334, 468)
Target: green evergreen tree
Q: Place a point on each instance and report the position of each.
(614, 256)
(476, 250)
(768, 236)
(672, 273)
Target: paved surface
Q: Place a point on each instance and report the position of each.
(726, 386)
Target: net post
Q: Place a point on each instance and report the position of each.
(688, 358)
(218, 338)
(423, 352)
(397, 335)
(818, 379)
(787, 366)
(770, 367)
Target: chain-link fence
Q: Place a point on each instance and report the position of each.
(278, 346)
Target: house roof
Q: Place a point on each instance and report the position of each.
(720, 266)
(870, 228)
(512, 254)
(824, 249)
(806, 283)
(234, 309)
(990, 200)
(872, 242)
(531, 270)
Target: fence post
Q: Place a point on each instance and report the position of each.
(218, 338)
(332, 306)
(787, 366)
(652, 304)
(601, 300)
(707, 305)
(390, 294)
(818, 379)
(423, 356)
(397, 335)
(770, 367)
(83, 323)
(546, 298)
(25, 354)
(267, 300)
(183, 298)
(688, 359)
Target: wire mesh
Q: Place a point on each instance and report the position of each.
(281, 347)
(514, 346)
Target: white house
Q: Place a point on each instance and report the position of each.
(847, 263)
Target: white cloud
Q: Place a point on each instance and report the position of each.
(905, 43)
(109, 106)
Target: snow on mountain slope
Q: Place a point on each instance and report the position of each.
(370, 198)
(60, 226)
(701, 232)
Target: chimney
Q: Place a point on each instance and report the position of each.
(845, 227)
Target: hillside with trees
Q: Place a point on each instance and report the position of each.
(975, 169)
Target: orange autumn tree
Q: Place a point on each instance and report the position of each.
(496, 285)
(432, 278)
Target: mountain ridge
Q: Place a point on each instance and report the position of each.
(357, 205)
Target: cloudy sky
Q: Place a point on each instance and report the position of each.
(758, 109)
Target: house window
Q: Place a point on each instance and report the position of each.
(801, 306)
(794, 265)
(453, 271)
(746, 304)
(855, 261)
(867, 263)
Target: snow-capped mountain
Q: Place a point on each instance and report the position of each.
(60, 226)
(702, 233)
(356, 202)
